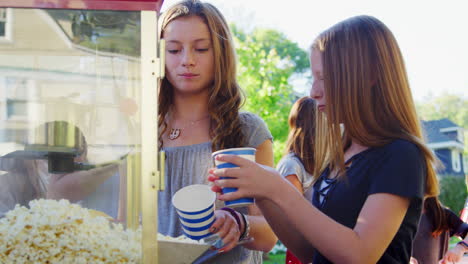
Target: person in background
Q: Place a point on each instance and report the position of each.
(20, 183)
(373, 168)
(27, 178)
(436, 226)
(199, 102)
(456, 253)
(297, 164)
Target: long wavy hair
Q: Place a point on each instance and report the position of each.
(367, 90)
(226, 97)
(301, 135)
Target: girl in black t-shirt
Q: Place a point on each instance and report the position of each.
(374, 168)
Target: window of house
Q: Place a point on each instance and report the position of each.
(16, 97)
(5, 24)
(465, 163)
(460, 135)
(456, 162)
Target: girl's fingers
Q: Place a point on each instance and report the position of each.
(239, 161)
(230, 196)
(224, 231)
(231, 182)
(216, 189)
(218, 223)
(228, 172)
(227, 229)
(212, 178)
(230, 240)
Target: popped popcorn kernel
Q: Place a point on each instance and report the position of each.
(53, 231)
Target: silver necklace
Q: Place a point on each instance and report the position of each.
(175, 132)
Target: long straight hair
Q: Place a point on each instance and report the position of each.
(367, 90)
(435, 211)
(225, 95)
(301, 135)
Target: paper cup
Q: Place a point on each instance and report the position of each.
(195, 206)
(247, 153)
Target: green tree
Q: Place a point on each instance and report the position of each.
(267, 60)
(453, 192)
(450, 106)
(270, 39)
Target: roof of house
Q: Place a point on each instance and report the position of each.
(432, 130)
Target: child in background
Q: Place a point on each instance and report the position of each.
(297, 164)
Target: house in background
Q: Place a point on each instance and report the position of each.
(445, 138)
(50, 70)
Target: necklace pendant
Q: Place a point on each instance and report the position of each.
(175, 133)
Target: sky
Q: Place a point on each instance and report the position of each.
(433, 35)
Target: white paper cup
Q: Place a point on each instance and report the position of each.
(195, 206)
(247, 153)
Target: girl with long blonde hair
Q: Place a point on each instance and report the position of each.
(199, 113)
(373, 168)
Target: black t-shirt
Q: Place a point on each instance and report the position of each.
(397, 168)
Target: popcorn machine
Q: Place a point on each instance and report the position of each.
(78, 110)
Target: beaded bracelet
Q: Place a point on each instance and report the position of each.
(234, 214)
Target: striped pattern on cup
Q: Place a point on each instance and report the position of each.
(195, 206)
(247, 153)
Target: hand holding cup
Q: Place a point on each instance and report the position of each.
(247, 153)
(195, 206)
(248, 178)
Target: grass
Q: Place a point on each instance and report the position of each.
(453, 240)
(280, 258)
(275, 259)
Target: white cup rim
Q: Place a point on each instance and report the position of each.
(181, 205)
(232, 149)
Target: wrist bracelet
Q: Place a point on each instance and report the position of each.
(246, 228)
(234, 214)
(463, 244)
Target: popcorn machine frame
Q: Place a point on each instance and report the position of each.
(141, 184)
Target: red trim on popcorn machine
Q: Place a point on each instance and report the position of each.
(127, 5)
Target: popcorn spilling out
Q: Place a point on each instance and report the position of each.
(60, 232)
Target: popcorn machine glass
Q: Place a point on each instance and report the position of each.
(78, 108)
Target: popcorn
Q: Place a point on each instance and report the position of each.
(181, 238)
(59, 232)
(53, 231)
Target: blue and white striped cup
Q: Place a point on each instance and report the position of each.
(195, 206)
(248, 153)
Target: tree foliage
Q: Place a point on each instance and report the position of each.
(287, 50)
(449, 106)
(453, 192)
(267, 59)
